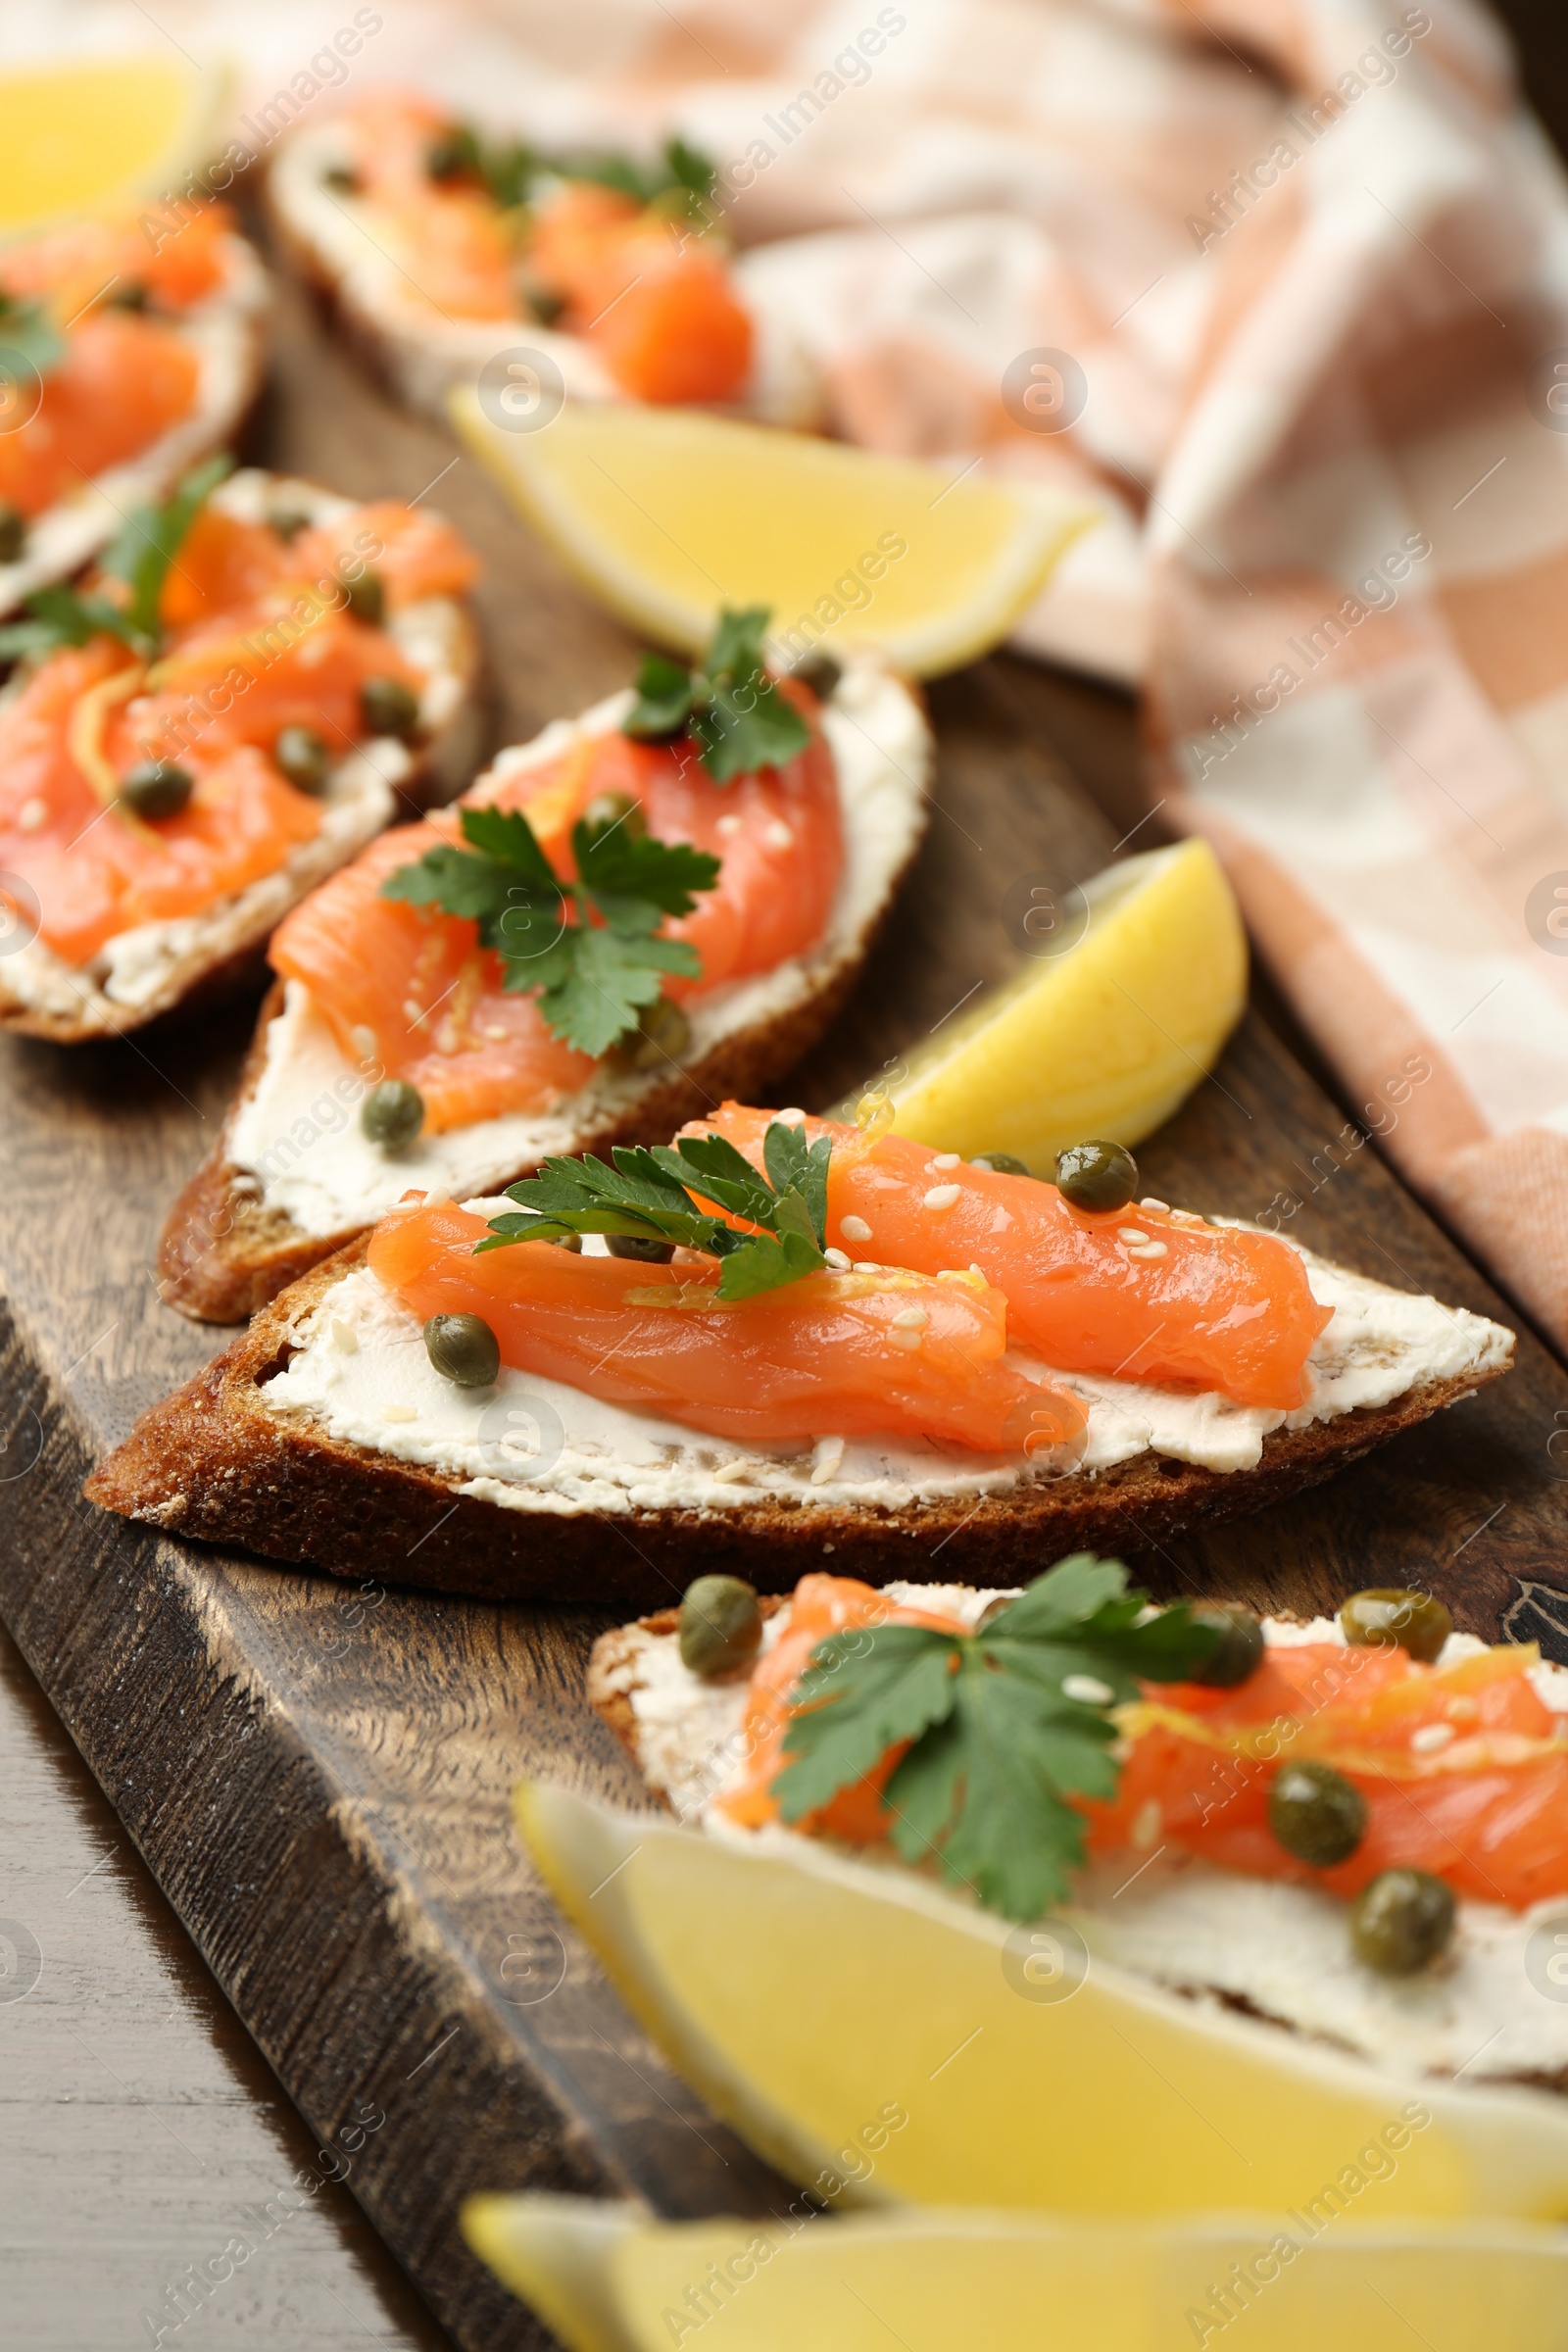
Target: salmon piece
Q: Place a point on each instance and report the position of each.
(97, 260)
(821, 1605)
(1218, 1309)
(1484, 1811)
(820, 1355)
(451, 239)
(122, 381)
(226, 565)
(666, 322)
(413, 987)
(414, 555)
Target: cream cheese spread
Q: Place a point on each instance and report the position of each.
(1216, 1935)
(359, 1370)
(298, 1135)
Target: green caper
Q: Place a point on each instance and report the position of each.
(452, 154)
(133, 296)
(1402, 1921)
(392, 1114)
(608, 810)
(720, 1625)
(1001, 1164)
(1387, 1614)
(1316, 1813)
(1096, 1176)
(12, 531)
(367, 598)
(288, 522)
(341, 178)
(1240, 1644)
(388, 707)
(464, 1350)
(156, 788)
(660, 1037)
(632, 1244)
(820, 672)
(545, 304)
(568, 1240)
(303, 757)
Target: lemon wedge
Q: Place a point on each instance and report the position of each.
(877, 2037)
(1129, 989)
(607, 2279)
(667, 514)
(98, 132)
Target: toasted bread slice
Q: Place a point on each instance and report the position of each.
(225, 332)
(146, 972)
(421, 352)
(324, 1435)
(1272, 1950)
(291, 1179)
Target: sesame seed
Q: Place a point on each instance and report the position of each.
(826, 1456)
(399, 1412)
(31, 815)
(791, 1118)
(729, 1474)
(854, 1229)
(977, 1270)
(867, 1265)
(729, 825)
(904, 1339)
(1151, 1202)
(1151, 1250)
(947, 1160)
(1088, 1690)
(942, 1195)
(363, 1040)
(1429, 1737)
(838, 1260)
(910, 1318)
(343, 1336)
(1131, 1233)
(1148, 1822)
(779, 835)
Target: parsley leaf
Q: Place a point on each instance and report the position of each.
(729, 704)
(27, 331)
(140, 555)
(510, 170)
(648, 1194)
(996, 1745)
(593, 975)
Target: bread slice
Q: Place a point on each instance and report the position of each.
(143, 972)
(1276, 1952)
(324, 1435)
(225, 332)
(421, 352)
(276, 1195)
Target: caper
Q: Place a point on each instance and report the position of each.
(464, 1350)
(1402, 1921)
(545, 304)
(12, 531)
(132, 296)
(632, 1244)
(303, 757)
(451, 154)
(568, 1240)
(288, 522)
(156, 788)
(1240, 1644)
(367, 598)
(1098, 1176)
(820, 672)
(720, 1625)
(1001, 1164)
(1387, 1614)
(608, 810)
(1316, 1813)
(660, 1037)
(392, 1113)
(342, 178)
(389, 707)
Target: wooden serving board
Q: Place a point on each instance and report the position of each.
(319, 1772)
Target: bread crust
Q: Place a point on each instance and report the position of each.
(443, 764)
(212, 1461)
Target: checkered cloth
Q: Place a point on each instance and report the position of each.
(1284, 284)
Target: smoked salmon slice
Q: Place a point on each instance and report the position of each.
(1209, 1306)
(411, 987)
(825, 1355)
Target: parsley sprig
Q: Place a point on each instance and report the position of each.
(27, 329)
(140, 555)
(729, 704)
(595, 974)
(510, 170)
(648, 1194)
(997, 1744)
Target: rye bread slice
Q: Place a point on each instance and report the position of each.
(225, 1251)
(212, 1461)
(41, 996)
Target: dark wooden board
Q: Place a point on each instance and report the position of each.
(318, 1773)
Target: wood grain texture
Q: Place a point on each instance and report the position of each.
(318, 1773)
